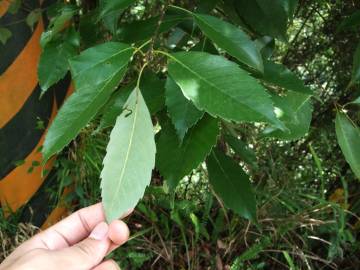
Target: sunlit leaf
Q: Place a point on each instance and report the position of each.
(221, 88)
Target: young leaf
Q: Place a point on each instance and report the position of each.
(232, 39)
(295, 111)
(53, 64)
(130, 158)
(115, 106)
(182, 112)
(175, 161)
(221, 88)
(96, 72)
(33, 17)
(5, 34)
(280, 76)
(232, 184)
(348, 136)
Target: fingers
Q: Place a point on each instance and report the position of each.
(72, 229)
(88, 253)
(118, 234)
(107, 265)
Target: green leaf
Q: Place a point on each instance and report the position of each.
(232, 184)
(240, 148)
(153, 91)
(33, 17)
(350, 22)
(108, 6)
(348, 136)
(295, 111)
(53, 64)
(205, 6)
(96, 72)
(57, 23)
(175, 161)
(279, 75)
(182, 112)
(232, 39)
(129, 160)
(14, 6)
(221, 88)
(143, 30)
(5, 34)
(356, 101)
(115, 106)
(356, 65)
(266, 17)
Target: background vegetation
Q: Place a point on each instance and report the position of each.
(308, 201)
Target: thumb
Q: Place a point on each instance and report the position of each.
(87, 253)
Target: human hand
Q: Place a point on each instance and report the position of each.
(79, 242)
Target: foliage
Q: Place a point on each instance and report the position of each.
(245, 101)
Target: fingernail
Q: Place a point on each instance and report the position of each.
(100, 231)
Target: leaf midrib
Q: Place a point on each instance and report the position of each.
(214, 86)
(129, 148)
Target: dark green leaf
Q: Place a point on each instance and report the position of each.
(96, 72)
(221, 88)
(348, 136)
(57, 23)
(143, 30)
(266, 46)
(295, 111)
(244, 151)
(279, 75)
(232, 184)
(232, 39)
(205, 6)
(129, 160)
(182, 112)
(115, 106)
(266, 17)
(53, 64)
(5, 34)
(175, 161)
(153, 91)
(350, 22)
(356, 65)
(14, 6)
(108, 6)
